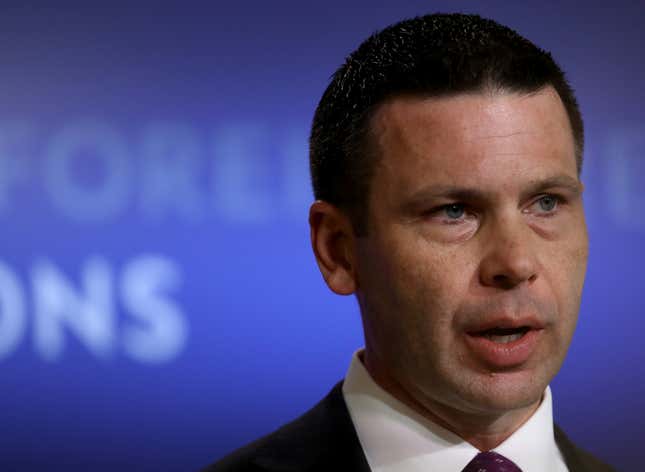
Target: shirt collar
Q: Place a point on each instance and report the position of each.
(396, 438)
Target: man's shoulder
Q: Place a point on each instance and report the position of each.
(320, 439)
(576, 458)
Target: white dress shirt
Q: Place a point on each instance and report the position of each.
(396, 438)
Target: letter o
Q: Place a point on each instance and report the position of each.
(80, 202)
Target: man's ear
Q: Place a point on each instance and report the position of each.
(332, 239)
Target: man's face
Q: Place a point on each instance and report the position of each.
(470, 276)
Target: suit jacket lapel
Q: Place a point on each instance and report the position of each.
(323, 439)
(576, 459)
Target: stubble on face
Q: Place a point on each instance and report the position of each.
(426, 281)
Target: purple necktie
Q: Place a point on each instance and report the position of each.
(491, 462)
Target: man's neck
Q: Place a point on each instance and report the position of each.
(483, 431)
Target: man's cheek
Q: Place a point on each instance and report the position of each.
(575, 266)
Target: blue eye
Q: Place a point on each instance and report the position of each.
(454, 211)
(548, 203)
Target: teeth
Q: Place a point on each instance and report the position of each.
(504, 339)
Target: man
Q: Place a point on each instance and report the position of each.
(445, 160)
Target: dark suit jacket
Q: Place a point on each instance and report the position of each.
(324, 439)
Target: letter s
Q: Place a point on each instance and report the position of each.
(162, 331)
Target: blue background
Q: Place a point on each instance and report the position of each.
(168, 144)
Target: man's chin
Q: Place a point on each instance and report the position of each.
(493, 380)
(497, 393)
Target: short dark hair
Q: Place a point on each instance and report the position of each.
(432, 55)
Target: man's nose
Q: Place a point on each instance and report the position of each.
(509, 255)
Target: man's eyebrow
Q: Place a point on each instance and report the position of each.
(566, 182)
(460, 193)
(451, 192)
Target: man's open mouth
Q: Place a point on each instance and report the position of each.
(503, 335)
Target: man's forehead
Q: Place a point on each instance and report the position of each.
(469, 129)
(408, 111)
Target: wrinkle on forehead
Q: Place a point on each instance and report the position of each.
(508, 135)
